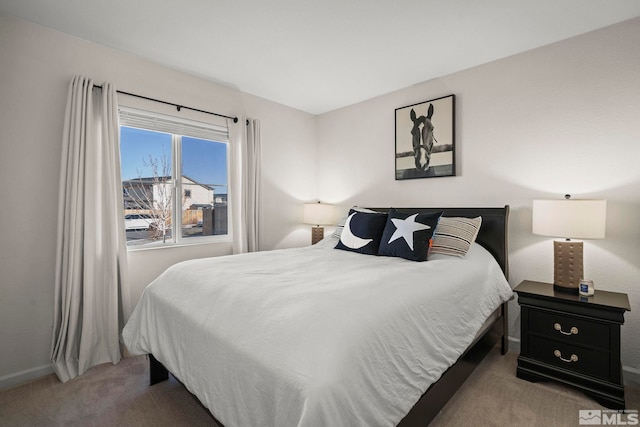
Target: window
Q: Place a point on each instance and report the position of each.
(173, 168)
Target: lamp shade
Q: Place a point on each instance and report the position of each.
(570, 218)
(317, 214)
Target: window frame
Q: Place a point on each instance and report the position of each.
(177, 239)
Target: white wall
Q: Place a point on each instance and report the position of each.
(36, 67)
(559, 119)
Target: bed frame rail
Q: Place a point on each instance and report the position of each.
(436, 397)
(157, 371)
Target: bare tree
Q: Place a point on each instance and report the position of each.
(153, 194)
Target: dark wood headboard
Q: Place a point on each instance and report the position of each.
(493, 232)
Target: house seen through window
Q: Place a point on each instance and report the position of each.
(174, 180)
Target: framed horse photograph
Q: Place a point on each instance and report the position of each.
(425, 139)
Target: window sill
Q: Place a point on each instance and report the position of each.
(199, 242)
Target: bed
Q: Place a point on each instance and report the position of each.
(316, 336)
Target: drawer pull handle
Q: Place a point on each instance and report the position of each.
(558, 354)
(572, 331)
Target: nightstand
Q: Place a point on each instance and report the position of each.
(572, 339)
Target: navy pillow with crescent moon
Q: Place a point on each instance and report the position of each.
(362, 232)
(408, 235)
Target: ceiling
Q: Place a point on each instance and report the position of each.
(322, 55)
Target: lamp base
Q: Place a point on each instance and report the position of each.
(317, 234)
(567, 266)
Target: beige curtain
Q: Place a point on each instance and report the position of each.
(91, 250)
(244, 140)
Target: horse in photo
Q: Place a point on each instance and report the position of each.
(422, 138)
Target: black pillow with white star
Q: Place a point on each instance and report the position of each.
(362, 232)
(408, 235)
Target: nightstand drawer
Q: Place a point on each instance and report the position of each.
(569, 329)
(578, 359)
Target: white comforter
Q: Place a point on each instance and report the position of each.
(314, 336)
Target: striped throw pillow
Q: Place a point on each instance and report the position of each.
(455, 235)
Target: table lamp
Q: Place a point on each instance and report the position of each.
(569, 219)
(317, 214)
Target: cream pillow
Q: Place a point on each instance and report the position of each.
(455, 235)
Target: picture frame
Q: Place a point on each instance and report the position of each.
(425, 139)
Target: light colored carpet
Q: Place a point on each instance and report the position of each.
(106, 395)
(494, 396)
(118, 395)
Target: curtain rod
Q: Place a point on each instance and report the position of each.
(178, 106)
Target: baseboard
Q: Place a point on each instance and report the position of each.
(514, 344)
(631, 375)
(25, 376)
